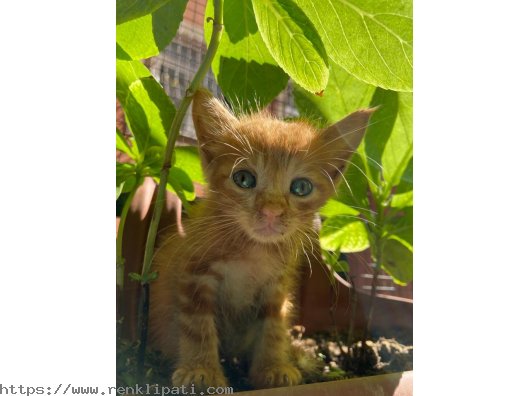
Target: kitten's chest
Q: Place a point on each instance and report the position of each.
(244, 278)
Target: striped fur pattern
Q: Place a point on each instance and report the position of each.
(224, 289)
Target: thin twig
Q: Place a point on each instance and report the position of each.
(167, 163)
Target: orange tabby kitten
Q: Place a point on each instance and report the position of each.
(224, 288)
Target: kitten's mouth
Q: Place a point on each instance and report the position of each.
(268, 233)
(268, 230)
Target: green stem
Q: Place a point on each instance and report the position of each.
(174, 133)
(375, 240)
(167, 163)
(120, 270)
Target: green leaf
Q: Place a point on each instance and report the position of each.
(334, 208)
(402, 200)
(400, 226)
(119, 189)
(403, 196)
(180, 183)
(245, 70)
(134, 276)
(344, 233)
(399, 148)
(371, 39)
(123, 146)
(148, 35)
(293, 42)
(343, 95)
(332, 259)
(148, 109)
(388, 146)
(340, 266)
(188, 159)
(124, 171)
(353, 189)
(127, 10)
(154, 159)
(126, 178)
(397, 261)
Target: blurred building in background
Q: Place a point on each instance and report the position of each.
(175, 67)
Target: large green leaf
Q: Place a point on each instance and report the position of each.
(344, 233)
(148, 109)
(245, 70)
(371, 39)
(127, 10)
(148, 35)
(293, 42)
(397, 261)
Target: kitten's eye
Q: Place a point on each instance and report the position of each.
(301, 187)
(244, 179)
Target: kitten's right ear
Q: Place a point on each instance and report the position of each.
(211, 122)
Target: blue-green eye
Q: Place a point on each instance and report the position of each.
(301, 187)
(244, 179)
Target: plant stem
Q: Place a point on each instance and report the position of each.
(167, 163)
(120, 260)
(143, 330)
(376, 253)
(175, 131)
(120, 270)
(352, 295)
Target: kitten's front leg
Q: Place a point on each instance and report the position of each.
(198, 362)
(271, 365)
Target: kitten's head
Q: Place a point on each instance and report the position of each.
(270, 176)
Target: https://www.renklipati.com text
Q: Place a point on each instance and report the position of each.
(70, 389)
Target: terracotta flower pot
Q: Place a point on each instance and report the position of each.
(395, 384)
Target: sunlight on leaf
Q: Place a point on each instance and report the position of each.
(344, 233)
(146, 36)
(293, 42)
(371, 39)
(127, 10)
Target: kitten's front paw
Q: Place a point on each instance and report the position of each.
(199, 376)
(274, 376)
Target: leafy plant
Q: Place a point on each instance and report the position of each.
(341, 55)
(373, 206)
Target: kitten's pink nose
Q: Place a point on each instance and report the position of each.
(271, 214)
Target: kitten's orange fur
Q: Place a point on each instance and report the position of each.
(225, 287)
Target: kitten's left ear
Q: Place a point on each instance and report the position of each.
(339, 141)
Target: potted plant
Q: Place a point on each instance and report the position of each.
(372, 207)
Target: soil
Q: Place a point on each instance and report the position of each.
(335, 360)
